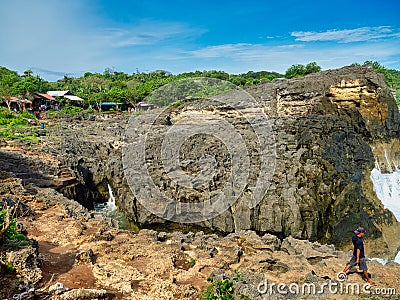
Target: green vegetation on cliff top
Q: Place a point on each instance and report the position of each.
(113, 86)
(19, 125)
(392, 77)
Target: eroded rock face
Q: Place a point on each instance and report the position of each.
(357, 94)
(26, 263)
(387, 155)
(324, 126)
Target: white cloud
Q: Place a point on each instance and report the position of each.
(65, 37)
(147, 32)
(361, 34)
(221, 50)
(243, 57)
(51, 35)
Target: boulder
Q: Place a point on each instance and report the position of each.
(26, 263)
(57, 288)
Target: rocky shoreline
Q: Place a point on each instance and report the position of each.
(331, 129)
(79, 249)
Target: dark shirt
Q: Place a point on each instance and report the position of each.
(358, 244)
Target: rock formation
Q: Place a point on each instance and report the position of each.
(78, 260)
(328, 129)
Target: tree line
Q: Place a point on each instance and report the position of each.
(120, 87)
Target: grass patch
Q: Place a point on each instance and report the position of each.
(24, 136)
(68, 110)
(17, 125)
(192, 262)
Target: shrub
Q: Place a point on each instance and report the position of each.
(12, 120)
(26, 114)
(9, 268)
(5, 113)
(66, 111)
(192, 262)
(223, 289)
(16, 126)
(71, 110)
(8, 226)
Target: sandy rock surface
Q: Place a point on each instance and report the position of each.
(92, 260)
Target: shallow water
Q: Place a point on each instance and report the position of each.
(110, 209)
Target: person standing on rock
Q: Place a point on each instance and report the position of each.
(358, 257)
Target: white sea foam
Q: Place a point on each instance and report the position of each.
(110, 205)
(379, 260)
(397, 258)
(387, 188)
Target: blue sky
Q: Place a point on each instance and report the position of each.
(56, 38)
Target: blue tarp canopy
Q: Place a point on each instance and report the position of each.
(110, 103)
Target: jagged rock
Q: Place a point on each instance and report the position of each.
(81, 294)
(309, 250)
(139, 266)
(181, 261)
(84, 257)
(57, 288)
(185, 247)
(213, 252)
(28, 293)
(270, 264)
(218, 274)
(249, 291)
(106, 236)
(162, 236)
(272, 241)
(26, 263)
(19, 208)
(239, 252)
(20, 228)
(312, 277)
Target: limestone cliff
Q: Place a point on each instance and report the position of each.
(326, 128)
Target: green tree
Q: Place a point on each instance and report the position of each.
(27, 86)
(116, 94)
(295, 71)
(376, 65)
(312, 67)
(7, 79)
(27, 73)
(5, 94)
(392, 76)
(301, 70)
